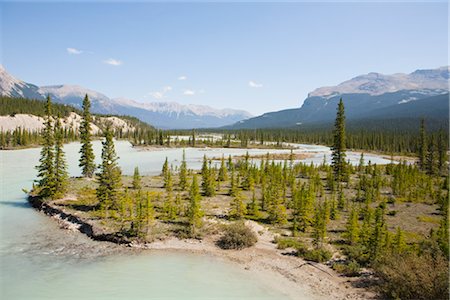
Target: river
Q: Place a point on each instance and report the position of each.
(38, 260)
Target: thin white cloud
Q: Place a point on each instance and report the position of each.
(113, 62)
(182, 77)
(189, 93)
(162, 93)
(254, 84)
(74, 51)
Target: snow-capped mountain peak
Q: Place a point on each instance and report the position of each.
(160, 114)
(13, 87)
(187, 109)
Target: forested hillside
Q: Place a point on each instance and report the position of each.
(23, 136)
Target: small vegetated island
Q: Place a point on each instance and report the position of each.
(384, 225)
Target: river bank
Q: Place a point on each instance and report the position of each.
(283, 271)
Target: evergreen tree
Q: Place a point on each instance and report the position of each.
(183, 172)
(165, 168)
(361, 162)
(233, 185)
(223, 175)
(376, 242)
(422, 145)
(253, 207)
(399, 244)
(341, 200)
(136, 179)
(169, 208)
(338, 148)
(208, 180)
(352, 228)
(195, 212)
(178, 205)
(109, 177)
(46, 168)
(61, 174)
(87, 163)
(193, 138)
(320, 225)
(442, 151)
(277, 211)
(431, 165)
(238, 209)
(306, 199)
(149, 212)
(333, 211)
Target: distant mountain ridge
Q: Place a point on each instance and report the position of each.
(364, 96)
(377, 84)
(166, 115)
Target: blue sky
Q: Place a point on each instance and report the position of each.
(254, 56)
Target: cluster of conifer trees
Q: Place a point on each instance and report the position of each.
(52, 168)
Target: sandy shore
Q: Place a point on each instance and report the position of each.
(279, 269)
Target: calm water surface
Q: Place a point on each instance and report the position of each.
(40, 261)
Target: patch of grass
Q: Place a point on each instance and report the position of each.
(429, 219)
(411, 236)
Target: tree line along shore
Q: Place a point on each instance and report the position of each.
(390, 139)
(390, 219)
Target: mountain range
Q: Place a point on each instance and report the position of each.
(165, 115)
(374, 96)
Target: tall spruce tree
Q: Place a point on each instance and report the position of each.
(87, 163)
(165, 169)
(338, 148)
(238, 209)
(431, 163)
(442, 151)
(109, 177)
(223, 175)
(352, 227)
(136, 179)
(320, 222)
(46, 170)
(195, 212)
(183, 173)
(60, 166)
(422, 145)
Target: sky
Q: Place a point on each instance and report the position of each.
(254, 56)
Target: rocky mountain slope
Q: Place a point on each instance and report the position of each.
(366, 96)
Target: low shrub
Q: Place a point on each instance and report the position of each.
(413, 276)
(350, 268)
(283, 243)
(392, 213)
(237, 236)
(357, 253)
(316, 255)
